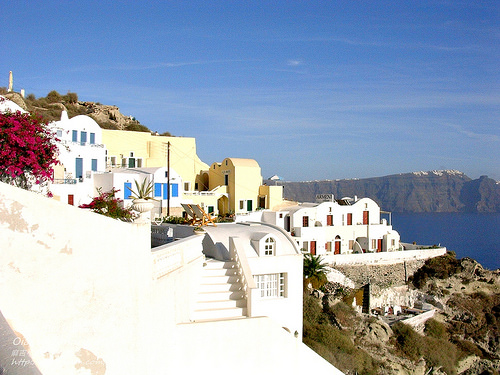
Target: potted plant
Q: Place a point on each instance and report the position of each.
(141, 197)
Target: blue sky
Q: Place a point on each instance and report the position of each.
(310, 89)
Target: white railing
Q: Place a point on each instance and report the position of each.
(237, 254)
(170, 257)
(161, 235)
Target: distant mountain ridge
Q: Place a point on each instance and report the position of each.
(432, 191)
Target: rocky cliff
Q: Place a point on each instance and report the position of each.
(434, 191)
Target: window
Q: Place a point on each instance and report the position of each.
(374, 244)
(59, 133)
(94, 165)
(139, 163)
(226, 179)
(92, 138)
(210, 209)
(175, 190)
(242, 205)
(157, 190)
(131, 154)
(166, 174)
(127, 193)
(74, 136)
(83, 137)
(187, 186)
(271, 285)
(366, 217)
(349, 219)
(269, 246)
(281, 216)
(305, 221)
(329, 220)
(113, 160)
(393, 242)
(351, 244)
(124, 162)
(195, 186)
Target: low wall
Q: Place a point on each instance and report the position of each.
(390, 257)
(418, 321)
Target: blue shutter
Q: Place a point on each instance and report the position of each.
(94, 165)
(74, 137)
(92, 138)
(175, 190)
(83, 137)
(127, 194)
(165, 191)
(157, 190)
(78, 167)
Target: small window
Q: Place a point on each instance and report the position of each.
(131, 154)
(139, 163)
(374, 244)
(393, 242)
(113, 160)
(226, 179)
(92, 138)
(187, 186)
(281, 216)
(83, 137)
(305, 221)
(242, 205)
(94, 165)
(269, 246)
(351, 244)
(166, 174)
(74, 136)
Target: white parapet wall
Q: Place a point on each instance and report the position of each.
(391, 257)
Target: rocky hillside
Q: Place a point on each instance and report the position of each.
(463, 337)
(434, 191)
(51, 106)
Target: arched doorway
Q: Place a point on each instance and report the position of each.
(338, 242)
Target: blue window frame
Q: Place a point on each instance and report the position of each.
(74, 136)
(175, 190)
(94, 165)
(157, 190)
(165, 191)
(83, 137)
(127, 193)
(92, 138)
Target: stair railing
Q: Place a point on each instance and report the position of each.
(237, 253)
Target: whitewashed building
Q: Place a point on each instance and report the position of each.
(81, 154)
(123, 179)
(338, 227)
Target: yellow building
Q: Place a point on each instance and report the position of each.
(243, 181)
(127, 149)
(233, 186)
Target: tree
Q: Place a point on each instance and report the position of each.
(28, 152)
(54, 97)
(315, 271)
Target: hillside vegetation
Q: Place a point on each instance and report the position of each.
(462, 338)
(51, 106)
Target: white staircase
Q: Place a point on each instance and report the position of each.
(221, 293)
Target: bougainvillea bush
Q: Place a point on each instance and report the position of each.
(28, 152)
(108, 204)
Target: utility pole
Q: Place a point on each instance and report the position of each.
(168, 179)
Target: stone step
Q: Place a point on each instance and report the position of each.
(219, 279)
(218, 296)
(220, 287)
(219, 305)
(212, 264)
(211, 314)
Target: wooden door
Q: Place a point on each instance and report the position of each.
(379, 246)
(313, 247)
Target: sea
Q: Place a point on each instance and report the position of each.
(472, 235)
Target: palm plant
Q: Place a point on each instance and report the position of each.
(143, 190)
(315, 271)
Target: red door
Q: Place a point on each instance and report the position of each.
(337, 247)
(313, 247)
(71, 199)
(365, 217)
(329, 220)
(379, 246)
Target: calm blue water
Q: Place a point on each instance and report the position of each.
(475, 236)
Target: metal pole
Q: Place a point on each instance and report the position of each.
(168, 179)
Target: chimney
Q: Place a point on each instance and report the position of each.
(22, 93)
(11, 82)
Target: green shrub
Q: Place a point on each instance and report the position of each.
(174, 220)
(435, 329)
(407, 341)
(440, 267)
(54, 97)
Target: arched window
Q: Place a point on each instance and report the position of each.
(269, 246)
